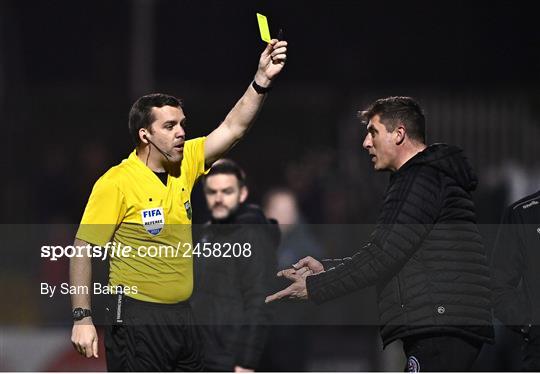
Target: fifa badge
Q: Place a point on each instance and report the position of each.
(153, 220)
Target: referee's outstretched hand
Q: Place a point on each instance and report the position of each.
(84, 338)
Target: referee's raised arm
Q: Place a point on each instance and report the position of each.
(84, 335)
(242, 115)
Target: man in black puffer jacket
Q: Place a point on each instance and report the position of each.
(516, 279)
(425, 256)
(232, 282)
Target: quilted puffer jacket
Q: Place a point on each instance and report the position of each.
(426, 255)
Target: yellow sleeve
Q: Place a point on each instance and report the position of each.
(193, 162)
(104, 211)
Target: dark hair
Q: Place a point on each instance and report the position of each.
(399, 109)
(227, 166)
(140, 115)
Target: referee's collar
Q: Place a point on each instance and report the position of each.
(133, 158)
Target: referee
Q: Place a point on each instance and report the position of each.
(144, 203)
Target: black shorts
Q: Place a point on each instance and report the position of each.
(143, 336)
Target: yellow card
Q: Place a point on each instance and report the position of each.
(263, 28)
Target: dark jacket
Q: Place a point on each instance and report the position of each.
(230, 291)
(516, 264)
(426, 255)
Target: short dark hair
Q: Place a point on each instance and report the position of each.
(227, 166)
(399, 109)
(140, 115)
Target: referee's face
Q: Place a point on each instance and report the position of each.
(223, 195)
(168, 131)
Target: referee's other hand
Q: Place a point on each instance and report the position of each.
(84, 338)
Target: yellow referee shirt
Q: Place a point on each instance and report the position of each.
(130, 206)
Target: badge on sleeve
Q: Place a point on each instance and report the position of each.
(153, 220)
(189, 211)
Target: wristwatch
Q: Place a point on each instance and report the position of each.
(80, 313)
(260, 89)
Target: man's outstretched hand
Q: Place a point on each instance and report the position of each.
(297, 290)
(315, 266)
(298, 274)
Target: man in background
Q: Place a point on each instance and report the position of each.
(231, 285)
(297, 241)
